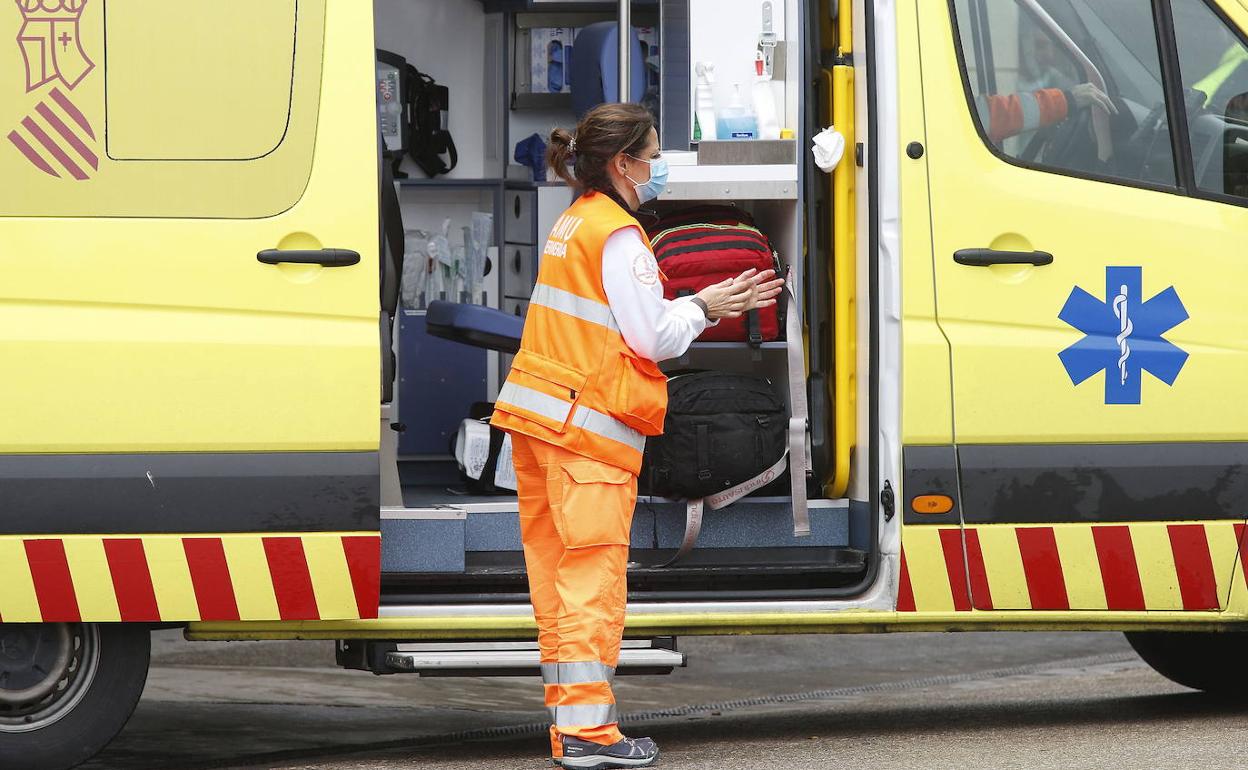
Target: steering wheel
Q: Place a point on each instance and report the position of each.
(1145, 136)
(1070, 144)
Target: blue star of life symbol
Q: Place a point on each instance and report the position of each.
(1123, 335)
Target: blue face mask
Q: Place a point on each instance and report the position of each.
(658, 180)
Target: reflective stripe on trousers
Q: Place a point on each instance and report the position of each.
(579, 716)
(577, 673)
(557, 409)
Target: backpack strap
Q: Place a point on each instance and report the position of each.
(754, 328)
(695, 509)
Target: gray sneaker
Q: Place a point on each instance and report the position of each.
(585, 755)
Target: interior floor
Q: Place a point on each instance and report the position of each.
(450, 546)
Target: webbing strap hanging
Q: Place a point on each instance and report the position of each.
(797, 455)
(695, 509)
(799, 412)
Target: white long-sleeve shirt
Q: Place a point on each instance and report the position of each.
(655, 328)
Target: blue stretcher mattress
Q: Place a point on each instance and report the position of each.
(482, 327)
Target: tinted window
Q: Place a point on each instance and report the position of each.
(1214, 65)
(1071, 85)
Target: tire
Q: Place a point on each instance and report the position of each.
(1210, 662)
(94, 676)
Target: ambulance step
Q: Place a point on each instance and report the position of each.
(637, 656)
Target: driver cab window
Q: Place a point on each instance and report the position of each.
(1069, 85)
(1213, 61)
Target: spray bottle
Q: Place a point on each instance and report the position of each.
(704, 104)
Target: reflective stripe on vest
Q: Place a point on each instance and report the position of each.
(576, 673)
(569, 304)
(556, 409)
(584, 716)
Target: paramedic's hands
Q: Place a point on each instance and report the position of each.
(733, 297)
(1088, 95)
(766, 289)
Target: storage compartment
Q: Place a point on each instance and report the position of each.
(518, 271)
(519, 215)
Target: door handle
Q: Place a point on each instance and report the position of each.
(325, 257)
(987, 257)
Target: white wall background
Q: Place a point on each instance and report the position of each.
(444, 39)
(726, 32)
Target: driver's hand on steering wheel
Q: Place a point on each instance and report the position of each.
(1088, 95)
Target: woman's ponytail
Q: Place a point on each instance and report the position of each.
(559, 154)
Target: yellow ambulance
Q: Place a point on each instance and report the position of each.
(1024, 342)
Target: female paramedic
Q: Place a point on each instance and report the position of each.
(583, 393)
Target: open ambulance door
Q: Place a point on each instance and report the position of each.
(188, 316)
(1086, 164)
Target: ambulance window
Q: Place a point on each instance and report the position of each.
(1066, 85)
(1213, 61)
(212, 83)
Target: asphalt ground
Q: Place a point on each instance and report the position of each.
(986, 700)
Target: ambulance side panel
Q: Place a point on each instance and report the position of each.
(191, 425)
(1091, 468)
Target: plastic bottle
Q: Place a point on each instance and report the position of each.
(704, 103)
(736, 121)
(765, 102)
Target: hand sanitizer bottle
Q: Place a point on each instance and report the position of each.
(736, 121)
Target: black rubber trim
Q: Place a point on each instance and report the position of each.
(873, 280)
(189, 492)
(930, 470)
(1172, 87)
(1055, 483)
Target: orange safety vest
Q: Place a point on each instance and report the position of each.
(575, 382)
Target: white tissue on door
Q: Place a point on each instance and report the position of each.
(829, 148)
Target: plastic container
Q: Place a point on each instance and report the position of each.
(704, 104)
(736, 121)
(764, 102)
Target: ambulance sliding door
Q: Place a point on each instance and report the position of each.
(188, 311)
(1087, 236)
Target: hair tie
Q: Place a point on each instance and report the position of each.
(572, 144)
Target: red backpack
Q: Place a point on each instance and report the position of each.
(700, 247)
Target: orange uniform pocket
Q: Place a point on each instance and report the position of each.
(595, 503)
(541, 390)
(641, 395)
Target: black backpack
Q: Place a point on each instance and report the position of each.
(430, 138)
(722, 430)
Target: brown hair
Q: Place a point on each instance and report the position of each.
(605, 130)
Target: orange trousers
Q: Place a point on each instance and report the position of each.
(575, 518)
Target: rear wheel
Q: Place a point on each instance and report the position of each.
(1211, 662)
(67, 689)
